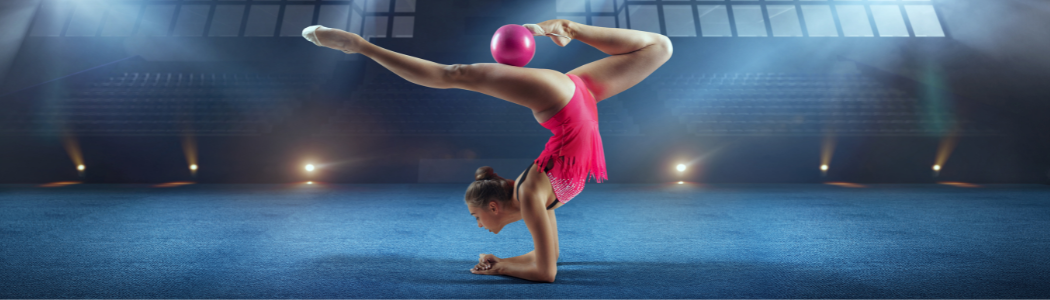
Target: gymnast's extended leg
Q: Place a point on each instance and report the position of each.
(537, 89)
(416, 70)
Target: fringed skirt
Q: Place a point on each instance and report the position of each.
(576, 147)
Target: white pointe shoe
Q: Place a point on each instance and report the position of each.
(310, 33)
(538, 31)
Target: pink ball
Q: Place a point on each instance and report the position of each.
(513, 45)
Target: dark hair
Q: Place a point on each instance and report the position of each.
(488, 187)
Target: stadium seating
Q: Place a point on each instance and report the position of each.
(167, 103)
(175, 103)
(801, 104)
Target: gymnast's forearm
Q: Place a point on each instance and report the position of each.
(526, 258)
(415, 70)
(527, 271)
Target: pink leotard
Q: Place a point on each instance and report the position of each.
(576, 146)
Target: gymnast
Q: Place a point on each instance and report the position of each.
(563, 103)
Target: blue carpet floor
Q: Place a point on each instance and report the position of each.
(617, 241)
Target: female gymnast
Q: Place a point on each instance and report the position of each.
(563, 103)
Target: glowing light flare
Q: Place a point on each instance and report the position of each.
(309, 182)
(73, 149)
(945, 150)
(310, 167)
(959, 184)
(680, 168)
(827, 149)
(846, 184)
(681, 182)
(60, 183)
(173, 184)
(189, 148)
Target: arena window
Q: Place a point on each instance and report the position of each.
(156, 21)
(85, 19)
(120, 20)
(396, 18)
(854, 20)
(924, 20)
(191, 20)
(604, 13)
(819, 20)
(889, 20)
(761, 18)
(262, 19)
(784, 20)
(227, 18)
(679, 20)
(51, 18)
(714, 21)
(749, 21)
(644, 18)
(297, 17)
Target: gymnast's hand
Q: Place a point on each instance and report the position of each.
(557, 29)
(488, 264)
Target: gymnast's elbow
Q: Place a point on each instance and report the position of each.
(550, 278)
(548, 275)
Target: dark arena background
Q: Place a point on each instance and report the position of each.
(788, 149)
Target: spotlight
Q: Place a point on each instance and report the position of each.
(80, 167)
(309, 167)
(823, 167)
(680, 182)
(936, 167)
(309, 182)
(681, 168)
(193, 167)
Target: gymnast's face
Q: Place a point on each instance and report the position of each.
(487, 218)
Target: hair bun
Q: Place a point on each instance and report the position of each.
(484, 173)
